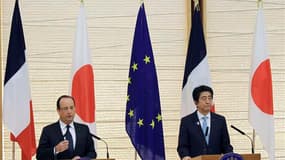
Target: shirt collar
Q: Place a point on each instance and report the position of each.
(200, 115)
(63, 125)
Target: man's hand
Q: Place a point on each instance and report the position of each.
(186, 158)
(76, 158)
(61, 146)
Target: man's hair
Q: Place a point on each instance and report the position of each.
(63, 96)
(198, 90)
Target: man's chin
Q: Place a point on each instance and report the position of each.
(68, 121)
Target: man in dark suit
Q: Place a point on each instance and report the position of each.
(203, 132)
(65, 139)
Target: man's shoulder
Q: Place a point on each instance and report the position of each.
(190, 116)
(80, 125)
(217, 116)
(51, 126)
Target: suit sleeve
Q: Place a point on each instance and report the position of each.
(183, 140)
(44, 150)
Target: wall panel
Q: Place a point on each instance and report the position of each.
(50, 26)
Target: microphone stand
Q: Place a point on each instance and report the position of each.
(106, 148)
(251, 141)
(241, 132)
(100, 139)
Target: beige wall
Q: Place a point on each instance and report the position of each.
(1, 134)
(49, 32)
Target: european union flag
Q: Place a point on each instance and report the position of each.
(143, 113)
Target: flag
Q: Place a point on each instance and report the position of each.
(17, 103)
(143, 112)
(82, 85)
(196, 70)
(260, 90)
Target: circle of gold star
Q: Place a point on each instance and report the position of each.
(135, 67)
(158, 117)
(152, 124)
(131, 113)
(146, 59)
(140, 122)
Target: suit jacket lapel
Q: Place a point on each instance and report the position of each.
(58, 131)
(213, 127)
(197, 124)
(76, 136)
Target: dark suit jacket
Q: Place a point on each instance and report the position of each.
(52, 135)
(191, 141)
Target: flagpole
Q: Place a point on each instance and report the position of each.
(259, 3)
(13, 150)
(253, 140)
(136, 154)
(196, 4)
(1, 119)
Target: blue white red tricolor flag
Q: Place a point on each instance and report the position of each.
(17, 101)
(196, 70)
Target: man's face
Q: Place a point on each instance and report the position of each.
(66, 111)
(205, 102)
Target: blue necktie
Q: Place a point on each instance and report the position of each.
(69, 138)
(205, 128)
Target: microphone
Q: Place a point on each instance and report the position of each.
(100, 139)
(241, 132)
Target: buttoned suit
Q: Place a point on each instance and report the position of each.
(52, 135)
(192, 142)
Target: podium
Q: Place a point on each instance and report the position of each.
(217, 157)
(95, 159)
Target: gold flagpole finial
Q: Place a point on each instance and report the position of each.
(259, 3)
(141, 1)
(82, 1)
(196, 4)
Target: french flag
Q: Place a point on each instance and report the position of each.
(196, 70)
(82, 85)
(260, 90)
(17, 103)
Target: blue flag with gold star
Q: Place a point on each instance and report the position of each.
(143, 112)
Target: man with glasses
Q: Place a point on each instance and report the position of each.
(65, 139)
(203, 132)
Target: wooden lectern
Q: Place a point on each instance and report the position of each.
(217, 157)
(95, 159)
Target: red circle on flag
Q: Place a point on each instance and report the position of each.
(261, 88)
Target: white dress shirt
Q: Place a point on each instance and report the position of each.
(200, 117)
(71, 130)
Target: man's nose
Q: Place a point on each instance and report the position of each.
(208, 100)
